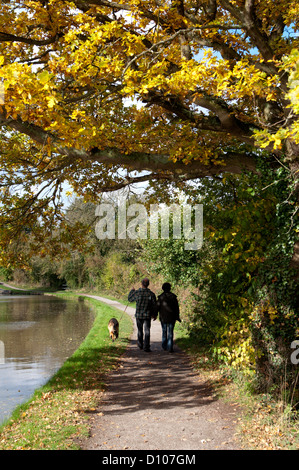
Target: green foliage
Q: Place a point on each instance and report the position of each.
(244, 265)
(238, 293)
(275, 322)
(254, 238)
(171, 260)
(118, 275)
(74, 271)
(44, 272)
(6, 273)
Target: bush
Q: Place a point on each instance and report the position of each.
(118, 276)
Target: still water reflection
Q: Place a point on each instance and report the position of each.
(37, 334)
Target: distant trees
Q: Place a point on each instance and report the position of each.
(238, 293)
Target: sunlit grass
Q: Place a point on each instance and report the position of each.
(57, 414)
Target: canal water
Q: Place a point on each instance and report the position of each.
(37, 335)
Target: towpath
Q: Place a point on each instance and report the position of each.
(155, 401)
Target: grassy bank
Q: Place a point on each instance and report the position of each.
(265, 422)
(57, 415)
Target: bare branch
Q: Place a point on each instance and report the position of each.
(6, 37)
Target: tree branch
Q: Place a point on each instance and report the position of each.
(6, 37)
(246, 18)
(139, 161)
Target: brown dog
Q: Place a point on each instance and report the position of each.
(113, 327)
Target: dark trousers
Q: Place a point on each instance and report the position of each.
(143, 340)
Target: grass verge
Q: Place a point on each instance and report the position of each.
(57, 414)
(265, 422)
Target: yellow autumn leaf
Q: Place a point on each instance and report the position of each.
(51, 102)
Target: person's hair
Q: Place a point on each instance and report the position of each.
(166, 287)
(145, 282)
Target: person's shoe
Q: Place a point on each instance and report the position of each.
(147, 350)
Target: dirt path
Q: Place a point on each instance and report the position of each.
(154, 401)
(12, 287)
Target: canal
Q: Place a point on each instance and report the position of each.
(37, 334)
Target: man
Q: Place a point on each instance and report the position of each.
(169, 313)
(146, 309)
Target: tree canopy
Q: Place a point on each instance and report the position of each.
(101, 94)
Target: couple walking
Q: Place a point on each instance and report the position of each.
(148, 307)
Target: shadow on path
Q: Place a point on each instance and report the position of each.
(154, 401)
(157, 381)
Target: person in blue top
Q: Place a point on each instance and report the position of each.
(146, 309)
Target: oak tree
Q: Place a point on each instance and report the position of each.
(101, 94)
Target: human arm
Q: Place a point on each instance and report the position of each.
(131, 296)
(177, 310)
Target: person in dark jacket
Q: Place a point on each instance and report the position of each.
(169, 313)
(146, 309)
